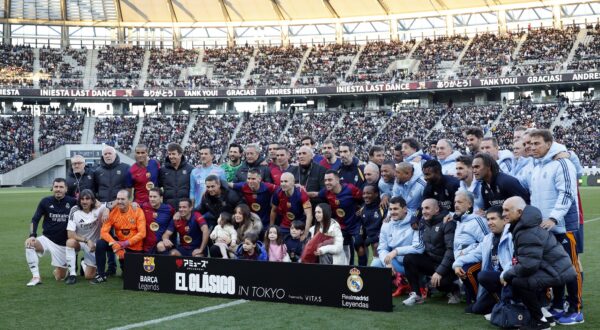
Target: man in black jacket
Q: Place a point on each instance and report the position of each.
(439, 187)
(309, 174)
(496, 186)
(217, 198)
(253, 159)
(110, 176)
(80, 177)
(539, 261)
(174, 177)
(436, 260)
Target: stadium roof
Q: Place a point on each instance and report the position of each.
(135, 12)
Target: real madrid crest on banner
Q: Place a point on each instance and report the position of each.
(255, 207)
(149, 264)
(354, 281)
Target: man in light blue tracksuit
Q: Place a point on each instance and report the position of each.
(412, 153)
(504, 158)
(409, 185)
(447, 156)
(469, 233)
(495, 255)
(553, 186)
(397, 237)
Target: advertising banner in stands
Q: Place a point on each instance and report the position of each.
(303, 91)
(366, 288)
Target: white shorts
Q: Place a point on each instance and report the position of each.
(58, 253)
(89, 257)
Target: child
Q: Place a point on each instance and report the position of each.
(292, 241)
(251, 249)
(224, 235)
(372, 216)
(276, 250)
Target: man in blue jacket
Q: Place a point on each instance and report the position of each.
(350, 170)
(553, 186)
(496, 186)
(495, 254)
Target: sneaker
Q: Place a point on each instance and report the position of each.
(111, 272)
(539, 325)
(71, 279)
(98, 279)
(488, 317)
(413, 299)
(571, 318)
(556, 313)
(548, 317)
(454, 298)
(34, 281)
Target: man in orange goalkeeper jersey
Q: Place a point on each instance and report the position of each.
(129, 225)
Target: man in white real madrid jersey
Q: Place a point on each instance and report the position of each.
(83, 230)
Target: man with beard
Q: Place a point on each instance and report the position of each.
(290, 203)
(257, 195)
(174, 177)
(330, 160)
(253, 160)
(273, 164)
(386, 182)
(496, 186)
(158, 216)
(235, 161)
(143, 175)
(350, 171)
(377, 155)
(464, 172)
(217, 198)
(473, 135)
(192, 230)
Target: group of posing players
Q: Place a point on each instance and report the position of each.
(486, 219)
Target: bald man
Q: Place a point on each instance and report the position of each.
(542, 261)
(290, 203)
(409, 184)
(436, 260)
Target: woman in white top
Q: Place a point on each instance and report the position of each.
(329, 227)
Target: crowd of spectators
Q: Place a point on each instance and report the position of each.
(117, 131)
(459, 117)
(16, 141)
(16, 66)
(58, 130)
(262, 128)
(211, 130)
(119, 66)
(587, 55)
(276, 66)
(527, 115)
(578, 130)
(62, 67)
(159, 131)
(409, 122)
(359, 128)
(432, 53)
(544, 51)
(165, 66)
(327, 63)
(228, 67)
(317, 125)
(487, 54)
(376, 58)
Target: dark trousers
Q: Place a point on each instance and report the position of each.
(102, 249)
(418, 265)
(471, 284)
(574, 287)
(531, 298)
(490, 281)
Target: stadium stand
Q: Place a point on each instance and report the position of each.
(117, 131)
(57, 130)
(160, 131)
(16, 142)
(216, 133)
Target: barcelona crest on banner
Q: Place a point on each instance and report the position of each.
(149, 264)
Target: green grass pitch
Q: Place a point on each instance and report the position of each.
(84, 306)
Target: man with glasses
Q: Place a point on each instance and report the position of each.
(80, 177)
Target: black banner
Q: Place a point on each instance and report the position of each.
(322, 285)
(208, 93)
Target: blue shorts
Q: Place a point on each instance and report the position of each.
(185, 252)
(579, 239)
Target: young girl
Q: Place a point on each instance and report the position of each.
(251, 249)
(276, 250)
(329, 227)
(224, 235)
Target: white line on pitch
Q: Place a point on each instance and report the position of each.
(591, 220)
(180, 315)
